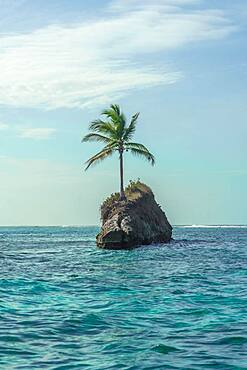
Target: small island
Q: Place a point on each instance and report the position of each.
(137, 220)
(131, 217)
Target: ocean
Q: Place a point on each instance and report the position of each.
(66, 305)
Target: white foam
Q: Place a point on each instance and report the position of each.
(215, 226)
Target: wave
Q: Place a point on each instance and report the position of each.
(215, 226)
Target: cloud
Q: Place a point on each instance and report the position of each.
(37, 133)
(120, 5)
(3, 126)
(101, 60)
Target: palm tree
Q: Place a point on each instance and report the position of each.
(114, 132)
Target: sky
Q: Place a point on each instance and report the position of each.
(181, 63)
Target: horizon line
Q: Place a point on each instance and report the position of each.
(95, 225)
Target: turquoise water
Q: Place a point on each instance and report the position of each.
(64, 304)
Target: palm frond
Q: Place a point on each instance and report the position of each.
(129, 132)
(145, 153)
(107, 151)
(96, 137)
(117, 119)
(113, 131)
(132, 145)
(96, 124)
(103, 127)
(113, 112)
(120, 127)
(116, 108)
(115, 115)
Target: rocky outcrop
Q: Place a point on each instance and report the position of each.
(138, 220)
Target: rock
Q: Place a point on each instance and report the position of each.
(138, 220)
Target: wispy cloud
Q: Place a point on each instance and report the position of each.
(37, 133)
(3, 126)
(99, 60)
(120, 5)
(25, 132)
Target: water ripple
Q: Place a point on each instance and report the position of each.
(64, 304)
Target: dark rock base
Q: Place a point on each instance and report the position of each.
(139, 220)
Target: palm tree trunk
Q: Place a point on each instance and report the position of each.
(122, 195)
